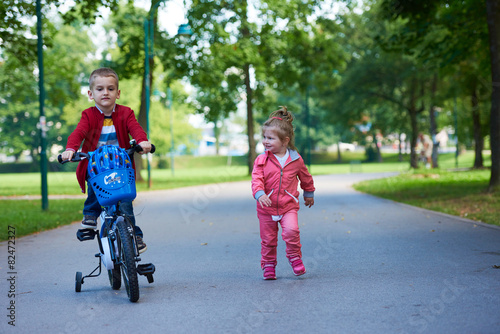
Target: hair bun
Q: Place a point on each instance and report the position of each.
(282, 114)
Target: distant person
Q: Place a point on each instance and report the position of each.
(275, 177)
(426, 151)
(105, 124)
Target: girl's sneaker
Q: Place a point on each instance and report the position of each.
(269, 271)
(297, 266)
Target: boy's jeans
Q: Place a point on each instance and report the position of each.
(269, 235)
(93, 208)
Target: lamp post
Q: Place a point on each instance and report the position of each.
(43, 127)
(148, 48)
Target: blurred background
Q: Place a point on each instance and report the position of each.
(363, 78)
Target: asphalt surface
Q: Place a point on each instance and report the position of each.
(373, 266)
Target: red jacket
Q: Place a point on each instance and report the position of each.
(280, 184)
(89, 130)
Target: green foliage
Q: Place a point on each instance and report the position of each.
(372, 66)
(63, 63)
(127, 21)
(88, 10)
(233, 57)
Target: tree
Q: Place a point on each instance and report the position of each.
(493, 18)
(463, 28)
(250, 54)
(64, 62)
(128, 59)
(384, 90)
(66, 48)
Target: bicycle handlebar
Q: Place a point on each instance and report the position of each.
(79, 156)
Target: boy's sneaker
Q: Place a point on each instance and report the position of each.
(269, 271)
(297, 266)
(89, 222)
(141, 245)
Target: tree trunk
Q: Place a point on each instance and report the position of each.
(400, 148)
(478, 137)
(245, 33)
(493, 14)
(432, 119)
(252, 154)
(377, 148)
(412, 110)
(217, 137)
(339, 155)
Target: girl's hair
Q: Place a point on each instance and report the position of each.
(281, 120)
(102, 72)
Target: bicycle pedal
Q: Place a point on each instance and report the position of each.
(86, 234)
(146, 269)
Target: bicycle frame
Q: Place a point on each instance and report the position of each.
(109, 218)
(109, 246)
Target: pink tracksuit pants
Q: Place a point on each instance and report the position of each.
(269, 236)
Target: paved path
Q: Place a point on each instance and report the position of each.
(374, 266)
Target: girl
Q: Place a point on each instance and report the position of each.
(275, 177)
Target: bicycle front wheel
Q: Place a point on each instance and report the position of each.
(127, 256)
(115, 279)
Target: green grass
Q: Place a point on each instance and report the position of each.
(425, 191)
(27, 217)
(65, 183)
(459, 193)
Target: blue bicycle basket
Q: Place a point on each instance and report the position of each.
(111, 175)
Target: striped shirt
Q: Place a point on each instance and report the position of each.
(108, 133)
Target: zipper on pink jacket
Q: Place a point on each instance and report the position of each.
(281, 177)
(279, 190)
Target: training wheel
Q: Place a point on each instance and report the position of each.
(78, 281)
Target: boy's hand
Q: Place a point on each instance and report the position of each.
(67, 155)
(309, 201)
(146, 147)
(264, 201)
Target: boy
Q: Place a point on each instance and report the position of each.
(105, 124)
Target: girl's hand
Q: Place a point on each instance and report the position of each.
(264, 201)
(309, 201)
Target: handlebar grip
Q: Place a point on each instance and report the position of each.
(138, 148)
(77, 157)
(61, 161)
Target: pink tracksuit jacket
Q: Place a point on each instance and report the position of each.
(280, 184)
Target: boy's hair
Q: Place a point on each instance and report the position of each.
(281, 120)
(102, 72)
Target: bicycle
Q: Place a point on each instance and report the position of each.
(111, 175)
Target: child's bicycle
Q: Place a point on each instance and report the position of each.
(111, 175)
